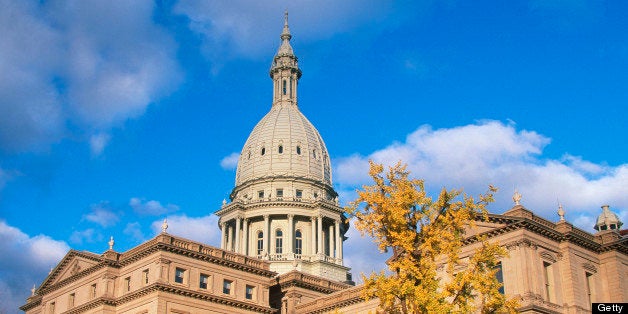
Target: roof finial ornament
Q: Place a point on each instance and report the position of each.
(164, 225)
(111, 243)
(561, 212)
(517, 197)
(33, 290)
(285, 35)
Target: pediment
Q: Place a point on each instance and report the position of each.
(72, 263)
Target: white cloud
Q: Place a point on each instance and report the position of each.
(27, 262)
(102, 215)
(134, 230)
(152, 207)
(88, 64)
(97, 143)
(362, 255)
(202, 229)
(490, 152)
(249, 29)
(230, 162)
(88, 236)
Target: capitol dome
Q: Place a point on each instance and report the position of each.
(284, 144)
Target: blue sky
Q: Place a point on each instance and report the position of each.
(114, 116)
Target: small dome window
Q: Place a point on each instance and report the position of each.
(298, 150)
(249, 154)
(314, 153)
(280, 149)
(263, 151)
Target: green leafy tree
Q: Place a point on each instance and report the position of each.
(426, 237)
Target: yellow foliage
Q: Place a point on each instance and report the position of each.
(425, 234)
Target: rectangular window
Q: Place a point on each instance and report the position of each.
(499, 275)
(279, 193)
(178, 275)
(145, 276)
(92, 292)
(548, 274)
(127, 283)
(299, 193)
(226, 286)
(260, 194)
(203, 281)
(51, 308)
(249, 292)
(71, 299)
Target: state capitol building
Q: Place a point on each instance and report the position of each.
(281, 247)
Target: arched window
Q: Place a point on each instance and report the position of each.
(298, 242)
(298, 150)
(260, 242)
(263, 151)
(280, 149)
(279, 241)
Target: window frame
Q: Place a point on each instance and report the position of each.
(227, 286)
(201, 282)
(179, 271)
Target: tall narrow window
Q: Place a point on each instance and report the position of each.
(71, 299)
(314, 153)
(127, 283)
(145, 276)
(298, 242)
(260, 194)
(203, 281)
(226, 286)
(263, 151)
(52, 308)
(278, 241)
(589, 279)
(178, 275)
(260, 243)
(548, 275)
(249, 292)
(298, 150)
(284, 87)
(280, 149)
(499, 275)
(92, 292)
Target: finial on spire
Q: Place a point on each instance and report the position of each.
(164, 226)
(285, 17)
(285, 35)
(111, 243)
(517, 197)
(561, 212)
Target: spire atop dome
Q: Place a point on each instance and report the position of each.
(285, 70)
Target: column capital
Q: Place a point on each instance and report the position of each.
(266, 216)
(291, 216)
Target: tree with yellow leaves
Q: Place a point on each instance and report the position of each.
(426, 237)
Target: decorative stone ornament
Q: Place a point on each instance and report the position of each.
(111, 243)
(164, 226)
(516, 198)
(561, 212)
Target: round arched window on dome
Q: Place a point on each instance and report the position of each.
(314, 153)
(249, 155)
(298, 150)
(263, 151)
(280, 149)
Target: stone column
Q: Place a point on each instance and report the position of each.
(229, 238)
(330, 240)
(223, 243)
(266, 235)
(338, 240)
(290, 235)
(237, 235)
(313, 247)
(245, 242)
(320, 235)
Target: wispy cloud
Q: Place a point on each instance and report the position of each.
(97, 143)
(30, 260)
(230, 162)
(102, 214)
(63, 66)
(490, 152)
(152, 207)
(85, 236)
(134, 230)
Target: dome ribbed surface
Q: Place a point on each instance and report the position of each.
(302, 154)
